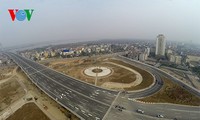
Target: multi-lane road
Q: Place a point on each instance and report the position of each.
(93, 103)
(84, 100)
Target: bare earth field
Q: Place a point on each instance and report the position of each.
(120, 76)
(173, 93)
(10, 91)
(5, 72)
(29, 111)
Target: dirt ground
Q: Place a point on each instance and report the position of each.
(10, 91)
(173, 93)
(5, 72)
(28, 111)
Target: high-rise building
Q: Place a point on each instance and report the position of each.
(1, 48)
(147, 50)
(160, 45)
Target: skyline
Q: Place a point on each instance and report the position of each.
(178, 20)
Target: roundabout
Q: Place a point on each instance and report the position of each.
(97, 71)
(108, 73)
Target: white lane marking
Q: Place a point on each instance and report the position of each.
(111, 106)
(185, 110)
(37, 71)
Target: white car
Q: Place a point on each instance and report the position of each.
(160, 116)
(69, 91)
(96, 118)
(140, 111)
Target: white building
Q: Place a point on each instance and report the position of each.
(160, 45)
(175, 59)
(147, 50)
(143, 56)
(178, 59)
(172, 58)
(169, 51)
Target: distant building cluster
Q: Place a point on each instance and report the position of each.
(64, 52)
(158, 52)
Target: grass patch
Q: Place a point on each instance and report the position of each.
(147, 77)
(173, 93)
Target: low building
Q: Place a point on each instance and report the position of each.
(143, 56)
(192, 58)
(67, 52)
(169, 51)
(52, 53)
(194, 64)
(147, 50)
(178, 59)
(171, 58)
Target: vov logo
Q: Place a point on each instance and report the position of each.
(21, 15)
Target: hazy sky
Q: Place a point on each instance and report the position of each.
(98, 19)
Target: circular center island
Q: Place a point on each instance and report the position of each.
(97, 71)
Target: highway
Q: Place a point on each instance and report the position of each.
(90, 102)
(84, 100)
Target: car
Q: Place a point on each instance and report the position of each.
(82, 111)
(123, 108)
(69, 91)
(90, 115)
(160, 116)
(97, 118)
(140, 111)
